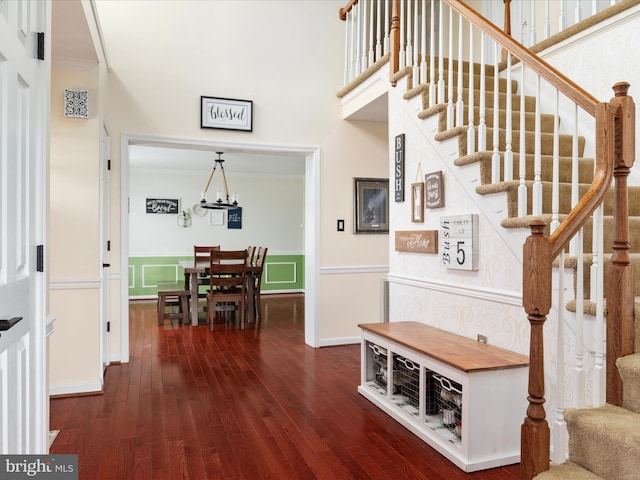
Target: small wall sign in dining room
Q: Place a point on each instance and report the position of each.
(234, 218)
(163, 205)
(226, 113)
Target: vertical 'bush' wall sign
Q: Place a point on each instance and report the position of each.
(399, 168)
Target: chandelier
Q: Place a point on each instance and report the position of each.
(222, 202)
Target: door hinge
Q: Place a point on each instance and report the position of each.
(109, 164)
(40, 45)
(40, 258)
(108, 327)
(108, 245)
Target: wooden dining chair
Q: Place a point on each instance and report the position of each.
(202, 254)
(258, 262)
(227, 283)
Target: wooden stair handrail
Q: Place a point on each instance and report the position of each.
(565, 85)
(342, 13)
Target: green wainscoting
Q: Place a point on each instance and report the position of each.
(282, 273)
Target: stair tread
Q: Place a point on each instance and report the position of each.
(605, 440)
(567, 471)
(608, 417)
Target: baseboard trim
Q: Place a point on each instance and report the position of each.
(75, 389)
(337, 341)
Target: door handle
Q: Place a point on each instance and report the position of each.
(7, 323)
(106, 265)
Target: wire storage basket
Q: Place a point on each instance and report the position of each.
(431, 403)
(406, 380)
(449, 396)
(378, 362)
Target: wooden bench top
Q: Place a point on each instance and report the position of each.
(459, 352)
(174, 288)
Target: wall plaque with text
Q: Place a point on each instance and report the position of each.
(398, 168)
(459, 241)
(417, 241)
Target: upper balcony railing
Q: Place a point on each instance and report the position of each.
(535, 24)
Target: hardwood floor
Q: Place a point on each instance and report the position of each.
(229, 404)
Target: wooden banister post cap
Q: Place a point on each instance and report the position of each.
(621, 89)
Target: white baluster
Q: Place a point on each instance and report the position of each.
(599, 381)
(579, 373)
(460, 102)
(522, 186)
(416, 50)
(547, 22)
(378, 30)
(532, 23)
(441, 53)
(508, 153)
(450, 107)
(482, 124)
(432, 56)
(364, 65)
(347, 50)
(403, 27)
(387, 22)
(562, 21)
(409, 49)
(537, 162)
(471, 130)
(555, 195)
(578, 12)
(372, 30)
(558, 427)
(423, 51)
(495, 157)
(356, 11)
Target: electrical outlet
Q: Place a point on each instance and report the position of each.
(482, 338)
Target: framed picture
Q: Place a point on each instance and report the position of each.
(371, 205)
(163, 205)
(417, 207)
(434, 190)
(226, 114)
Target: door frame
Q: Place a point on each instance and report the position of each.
(311, 222)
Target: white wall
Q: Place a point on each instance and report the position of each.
(284, 56)
(74, 255)
(272, 213)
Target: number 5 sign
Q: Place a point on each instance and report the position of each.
(459, 242)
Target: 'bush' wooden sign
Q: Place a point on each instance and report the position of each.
(459, 241)
(417, 241)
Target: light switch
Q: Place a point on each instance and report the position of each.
(341, 225)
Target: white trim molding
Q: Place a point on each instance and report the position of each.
(512, 298)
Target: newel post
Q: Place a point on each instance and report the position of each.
(620, 279)
(394, 46)
(536, 300)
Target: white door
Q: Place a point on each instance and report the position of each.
(105, 218)
(24, 110)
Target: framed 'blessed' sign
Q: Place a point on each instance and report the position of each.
(226, 113)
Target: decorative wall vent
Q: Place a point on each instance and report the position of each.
(76, 103)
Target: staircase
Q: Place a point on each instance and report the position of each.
(603, 442)
(554, 200)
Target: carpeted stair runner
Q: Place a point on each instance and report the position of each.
(604, 443)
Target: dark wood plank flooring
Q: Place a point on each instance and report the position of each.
(230, 404)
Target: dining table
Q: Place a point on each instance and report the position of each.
(193, 268)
